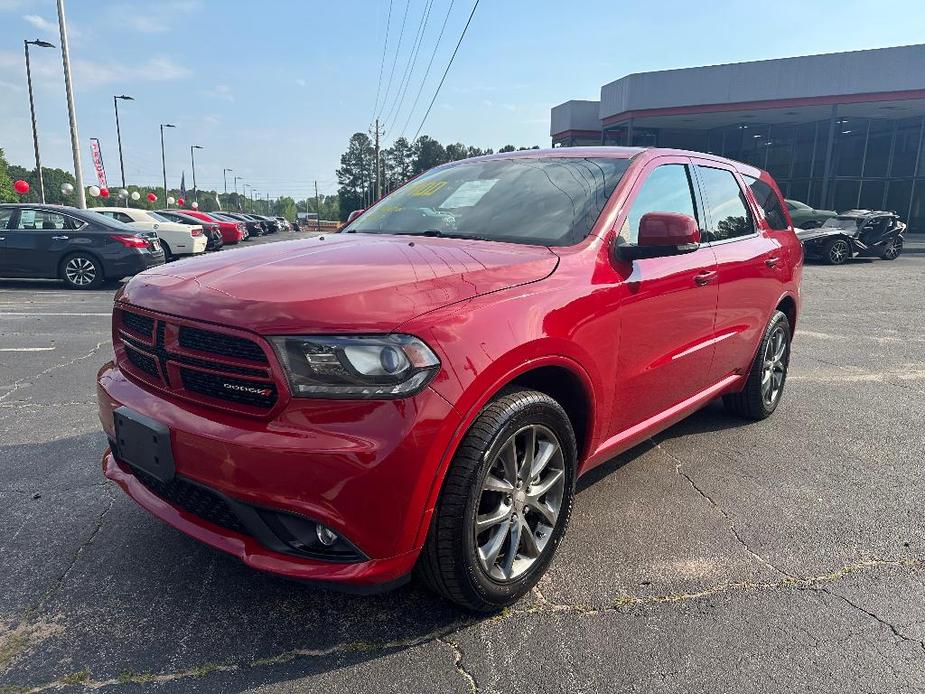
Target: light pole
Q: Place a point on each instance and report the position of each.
(71, 109)
(244, 187)
(193, 162)
(35, 132)
(115, 104)
(225, 178)
(164, 159)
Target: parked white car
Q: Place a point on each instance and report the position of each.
(176, 239)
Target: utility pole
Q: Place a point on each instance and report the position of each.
(193, 160)
(378, 171)
(164, 160)
(115, 105)
(71, 110)
(225, 178)
(317, 208)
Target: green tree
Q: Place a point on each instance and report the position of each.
(428, 153)
(355, 175)
(398, 162)
(285, 207)
(507, 148)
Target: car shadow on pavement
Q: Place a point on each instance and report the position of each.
(111, 591)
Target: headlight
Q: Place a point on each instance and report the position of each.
(373, 366)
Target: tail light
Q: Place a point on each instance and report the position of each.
(241, 227)
(196, 231)
(131, 241)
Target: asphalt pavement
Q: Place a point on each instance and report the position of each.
(785, 555)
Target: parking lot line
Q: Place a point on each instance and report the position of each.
(4, 314)
(26, 349)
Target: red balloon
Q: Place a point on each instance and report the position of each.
(104, 192)
(180, 202)
(21, 187)
(152, 197)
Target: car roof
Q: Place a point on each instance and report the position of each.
(614, 152)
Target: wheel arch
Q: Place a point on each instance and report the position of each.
(80, 251)
(560, 377)
(788, 306)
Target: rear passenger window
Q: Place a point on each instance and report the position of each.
(5, 216)
(729, 215)
(769, 201)
(666, 189)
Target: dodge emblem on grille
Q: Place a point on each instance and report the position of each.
(253, 390)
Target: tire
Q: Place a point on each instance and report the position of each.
(754, 400)
(168, 254)
(474, 568)
(836, 251)
(81, 271)
(892, 249)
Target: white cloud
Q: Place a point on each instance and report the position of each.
(159, 69)
(40, 23)
(220, 91)
(155, 18)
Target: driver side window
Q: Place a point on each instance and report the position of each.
(666, 189)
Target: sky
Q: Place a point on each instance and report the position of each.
(274, 90)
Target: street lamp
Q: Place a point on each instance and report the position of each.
(193, 161)
(225, 178)
(164, 160)
(115, 104)
(35, 133)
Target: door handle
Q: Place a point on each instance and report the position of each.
(59, 238)
(705, 277)
(772, 261)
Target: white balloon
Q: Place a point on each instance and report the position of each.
(123, 193)
(195, 205)
(93, 191)
(170, 201)
(67, 188)
(135, 195)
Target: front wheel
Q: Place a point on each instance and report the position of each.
(837, 252)
(768, 374)
(82, 271)
(892, 248)
(505, 503)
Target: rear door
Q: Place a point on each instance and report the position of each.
(749, 262)
(37, 242)
(6, 219)
(667, 317)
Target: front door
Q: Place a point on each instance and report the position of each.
(667, 314)
(36, 243)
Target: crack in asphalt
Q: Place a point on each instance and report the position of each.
(732, 527)
(875, 617)
(458, 656)
(30, 380)
(542, 606)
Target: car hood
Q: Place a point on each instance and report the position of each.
(343, 282)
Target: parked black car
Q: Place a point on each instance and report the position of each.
(213, 232)
(270, 225)
(254, 226)
(79, 247)
(871, 233)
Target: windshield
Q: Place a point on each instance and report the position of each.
(842, 223)
(159, 217)
(552, 201)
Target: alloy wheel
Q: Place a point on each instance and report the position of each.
(774, 369)
(892, 249)
(80, 272)
(838, 253)
(520, 501)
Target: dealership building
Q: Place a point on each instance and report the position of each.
(837, 131)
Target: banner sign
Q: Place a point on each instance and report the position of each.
(98, 162)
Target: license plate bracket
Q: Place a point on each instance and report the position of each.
(144, 443)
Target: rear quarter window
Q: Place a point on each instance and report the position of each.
(769, 201)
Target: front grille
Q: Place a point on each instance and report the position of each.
(142, 362)
(219, 343)
(251, 393)
(191, 497)
(143, 325)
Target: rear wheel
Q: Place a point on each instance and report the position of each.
(81, 271)
(505, 504)
(168, 254)
(764, 386)
(892, 249)
(837, 251)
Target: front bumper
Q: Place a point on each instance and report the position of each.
(363, 468)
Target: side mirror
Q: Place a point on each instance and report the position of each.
(353, 215)
(662, 234)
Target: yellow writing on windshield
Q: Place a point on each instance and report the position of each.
(422, 190)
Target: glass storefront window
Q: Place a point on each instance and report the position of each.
(907, 147)
(917, 213)
(872, 195)
(780, 150)
(898, 195)
(803, 150)
(846, 195)
(849, 146)
(878, 148)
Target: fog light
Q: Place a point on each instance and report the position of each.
(326, 536)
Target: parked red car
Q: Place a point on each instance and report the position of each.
(232, 232)
(423, 390)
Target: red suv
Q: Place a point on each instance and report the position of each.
(423, 390)
(232, 232)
